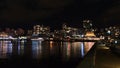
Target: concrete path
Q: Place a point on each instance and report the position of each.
(105, 58)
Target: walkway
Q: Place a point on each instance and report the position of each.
(105, 58)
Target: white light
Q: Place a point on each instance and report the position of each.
(115, 41)
(109, 32)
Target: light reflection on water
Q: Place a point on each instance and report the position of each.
(21, 47)
(5, 49)
(49, 49)
(36, 49)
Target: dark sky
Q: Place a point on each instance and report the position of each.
(26, 13)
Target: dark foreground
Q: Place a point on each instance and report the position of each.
(29, 63)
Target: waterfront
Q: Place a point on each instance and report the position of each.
(44, 54)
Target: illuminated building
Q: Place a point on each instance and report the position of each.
(37, 29)
(40, 32)
(90, 34)
(4, 35)
(87, 24)
(69, 32)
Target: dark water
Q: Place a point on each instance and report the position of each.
(46, 54)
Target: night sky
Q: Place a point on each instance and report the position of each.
(26, 13)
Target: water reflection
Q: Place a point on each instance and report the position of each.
(5, 49)
(21, 45)
(82, 50)
(75, 49)
(51, 47)
(36, 49)
(66, 50)
(63, 51)
(54, 49)
(88, 46)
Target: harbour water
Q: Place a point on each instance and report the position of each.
(43, 54)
